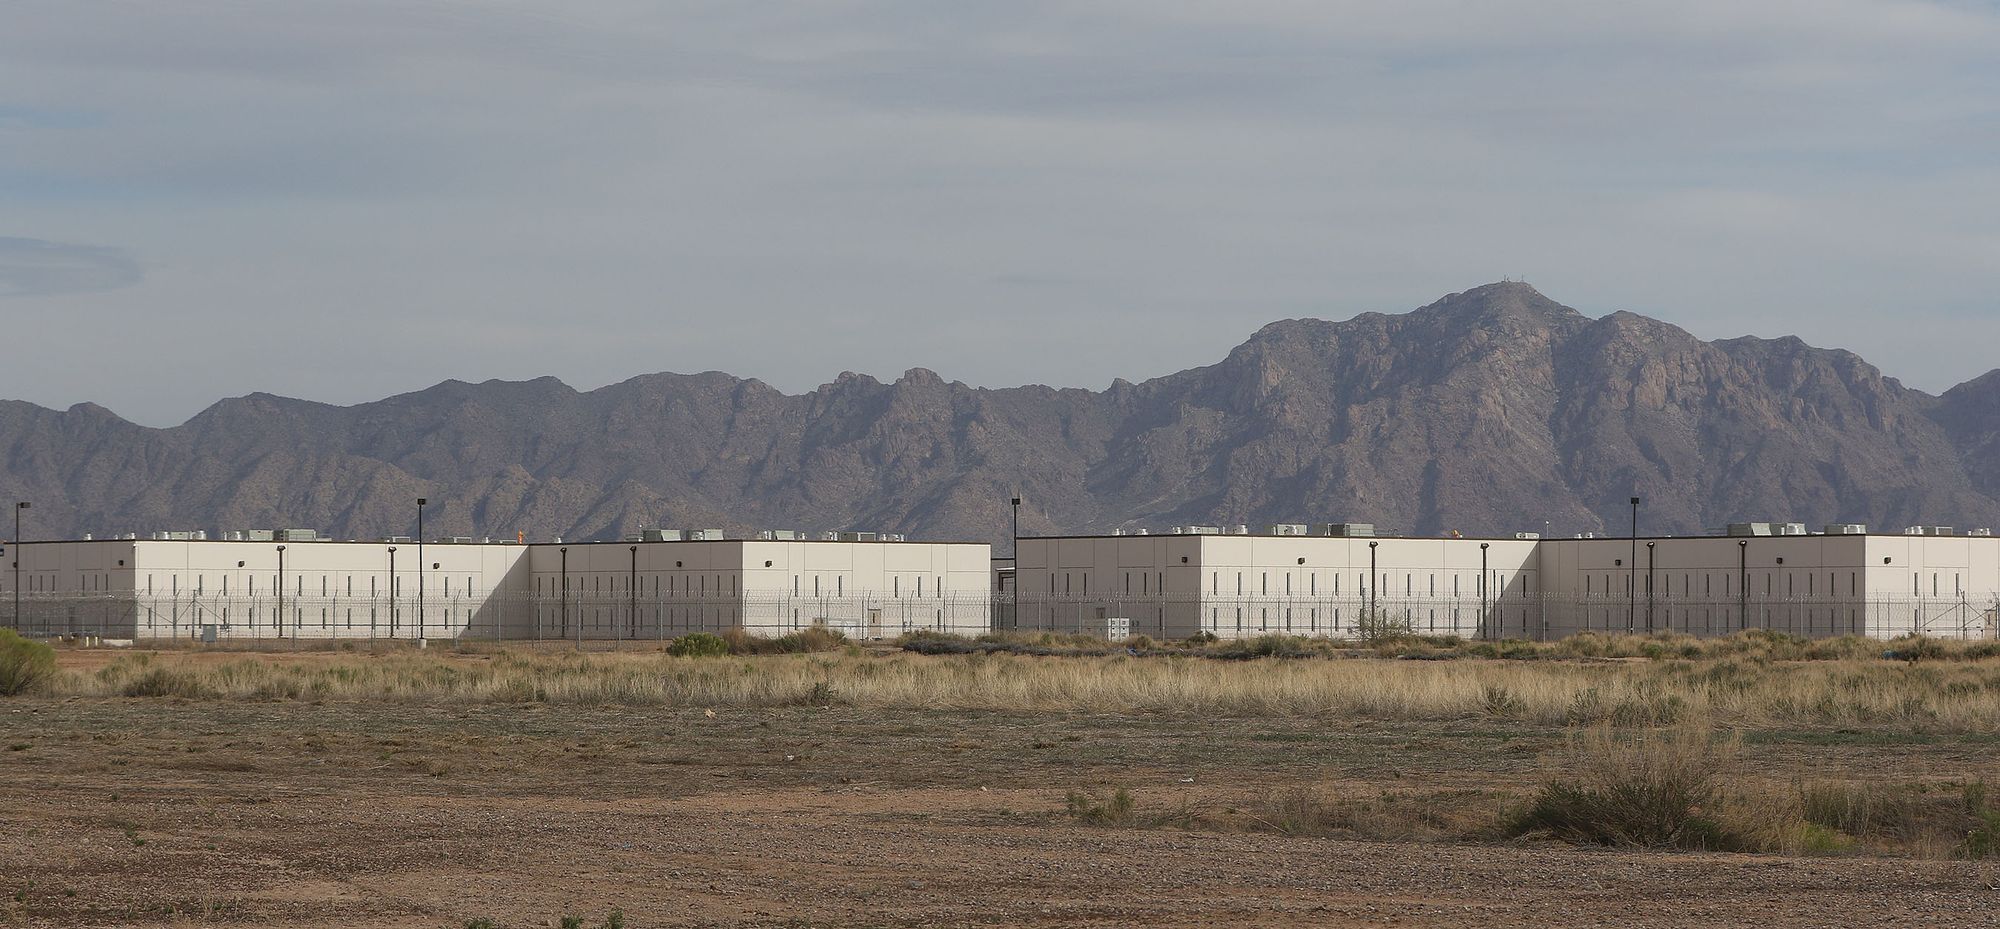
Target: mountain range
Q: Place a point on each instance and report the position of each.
(1490, 411)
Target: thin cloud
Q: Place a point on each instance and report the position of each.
(34, 268)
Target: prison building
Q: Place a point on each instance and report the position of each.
(1241, 585)
(660, 588)
(1234, 586)
(864, 589)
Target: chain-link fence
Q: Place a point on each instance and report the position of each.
(577, 618)
(1512, 617)
(606, 619)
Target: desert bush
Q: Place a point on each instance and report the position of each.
(815, 638)
(25, 664)
(1115, 810)
(1377, 626)
(698, 645)
(1652, 790)
(167, 682)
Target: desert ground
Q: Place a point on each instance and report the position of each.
(411, 809)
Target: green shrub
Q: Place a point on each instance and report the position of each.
(699, 645)
(24, 663)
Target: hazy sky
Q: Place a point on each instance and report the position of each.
(342, 201)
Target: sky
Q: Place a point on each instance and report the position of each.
(345, 201)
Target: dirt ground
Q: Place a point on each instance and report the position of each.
(152, 812)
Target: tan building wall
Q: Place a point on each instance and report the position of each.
(1241, 585)
(362, 590)
(865, 589)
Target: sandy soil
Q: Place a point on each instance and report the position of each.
(153, 812)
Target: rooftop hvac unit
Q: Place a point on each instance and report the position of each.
(1527, 536)
(1204, 530)
(704, 535)
(1242, 529)
(1940, 530)
(892, 537)
(829, 536)
(298, 535)
(1846, 529)
(857, 537)
(659, 535)
(1750, 529)
(781, 535)
(1980, 533)
(405, 540)
(1138, 532)
(1117, 532)
(1791, 528)
(1289, 529)
(1351, 530)
(459, 540)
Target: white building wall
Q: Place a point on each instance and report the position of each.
(865, 589)
(348, 590)
(1239, 586)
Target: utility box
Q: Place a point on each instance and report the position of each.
(1114, 628)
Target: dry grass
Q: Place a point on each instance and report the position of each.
(1738, 693)
(1678, 788)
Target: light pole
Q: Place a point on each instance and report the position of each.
(1742, 584)
(1649, 588)
(1371, 585)
(18, 507)
(632, 592)
(392, 592)
(565, 599)
(422, 569)
(1482, 592)
(281, 595)
(1632, 573)
(1014, 552)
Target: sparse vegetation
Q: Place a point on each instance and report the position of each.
(1653, 790)
(699, 645)
(1115, 810)
(1735, 687)
(24, 663)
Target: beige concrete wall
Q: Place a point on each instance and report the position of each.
(866, 589)
(1237, 586)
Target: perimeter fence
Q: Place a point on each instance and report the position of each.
(590, 621)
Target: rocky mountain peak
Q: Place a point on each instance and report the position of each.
(1490, 410)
